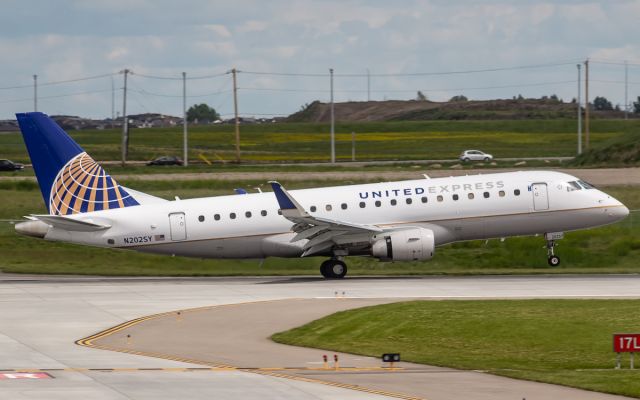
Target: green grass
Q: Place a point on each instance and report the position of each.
(610, 249)
(299, 142)
(566, 342)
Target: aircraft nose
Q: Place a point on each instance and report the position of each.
(619, 212)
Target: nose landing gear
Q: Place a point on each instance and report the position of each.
(333, 269)
(551, 238)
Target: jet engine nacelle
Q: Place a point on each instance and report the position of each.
(404, 245)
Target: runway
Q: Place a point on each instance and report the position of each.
(43, 317)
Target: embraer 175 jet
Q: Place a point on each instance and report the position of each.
(391, 221)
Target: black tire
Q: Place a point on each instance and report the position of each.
(554, 261)
(333, 269)
(466, 159)
(487, 159)
(325, 269)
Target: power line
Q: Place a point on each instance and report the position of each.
(409, 90)
(612, 62)
(56, 96)
(145, 92)
(400, 74)
(86, 78)
(175, 78)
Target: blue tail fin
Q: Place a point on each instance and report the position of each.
(70, 180)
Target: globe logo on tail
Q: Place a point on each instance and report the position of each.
(83, 186)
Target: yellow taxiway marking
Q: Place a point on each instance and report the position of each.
(88, 342)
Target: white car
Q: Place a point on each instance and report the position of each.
(475, 155)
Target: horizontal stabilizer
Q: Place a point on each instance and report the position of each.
(69, 224)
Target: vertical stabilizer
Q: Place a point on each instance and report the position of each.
(70, 180)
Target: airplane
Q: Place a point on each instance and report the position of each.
(390, 221)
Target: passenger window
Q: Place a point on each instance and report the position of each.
(201, 218)
(440, 198)
(470, 196)
(216, 217)
(362, 204)
(455, 197)
(313, 208)
(486, 195)
(501, 193)
(328, 207)
(516, 192)
(263, 213)
(409, 200)
(343, 206)
(232, 215)
(424, 199)
(247, 214)
(394, 202)
(378, 203)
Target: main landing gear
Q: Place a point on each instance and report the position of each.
(333, 269)
(551, 238)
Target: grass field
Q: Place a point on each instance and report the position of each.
(567, 342)
(611, 249)
(296, 142)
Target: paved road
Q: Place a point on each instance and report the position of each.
(604, 176)
(42, 317)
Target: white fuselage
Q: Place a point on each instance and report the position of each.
(250, 226)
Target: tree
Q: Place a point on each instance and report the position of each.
(602, 104)
(202, 112)
(459, 97)
(636, 106)
(421, 96)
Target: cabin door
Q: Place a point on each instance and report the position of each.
(178, 226)
(540, 196)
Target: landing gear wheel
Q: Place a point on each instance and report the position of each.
(552, 259)
(325, 269)
(333, 269)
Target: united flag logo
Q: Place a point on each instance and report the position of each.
(83, 186)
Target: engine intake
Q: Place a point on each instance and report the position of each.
(404, 245)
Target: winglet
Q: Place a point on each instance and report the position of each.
(289, 206)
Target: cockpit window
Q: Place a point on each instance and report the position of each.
(571, 186)
(586, 185)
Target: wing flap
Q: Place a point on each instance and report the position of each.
(322, 233)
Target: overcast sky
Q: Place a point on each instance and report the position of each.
(66, 40)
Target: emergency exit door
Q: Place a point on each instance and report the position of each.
(540, 196)
(178, 226)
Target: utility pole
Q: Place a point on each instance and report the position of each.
(333, 121)
(113, 103)
(353, 146)
(626, 90)
(35, 93)
(579, 114)
(185, 143)
(586, 104)
(368, 85)
(235, 110)
(125, 122)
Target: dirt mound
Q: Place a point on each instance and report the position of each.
(415, 110)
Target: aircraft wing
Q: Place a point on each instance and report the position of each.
(69, 224)
(322, 233)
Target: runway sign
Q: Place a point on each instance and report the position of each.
(626, 342)
(25, 375)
